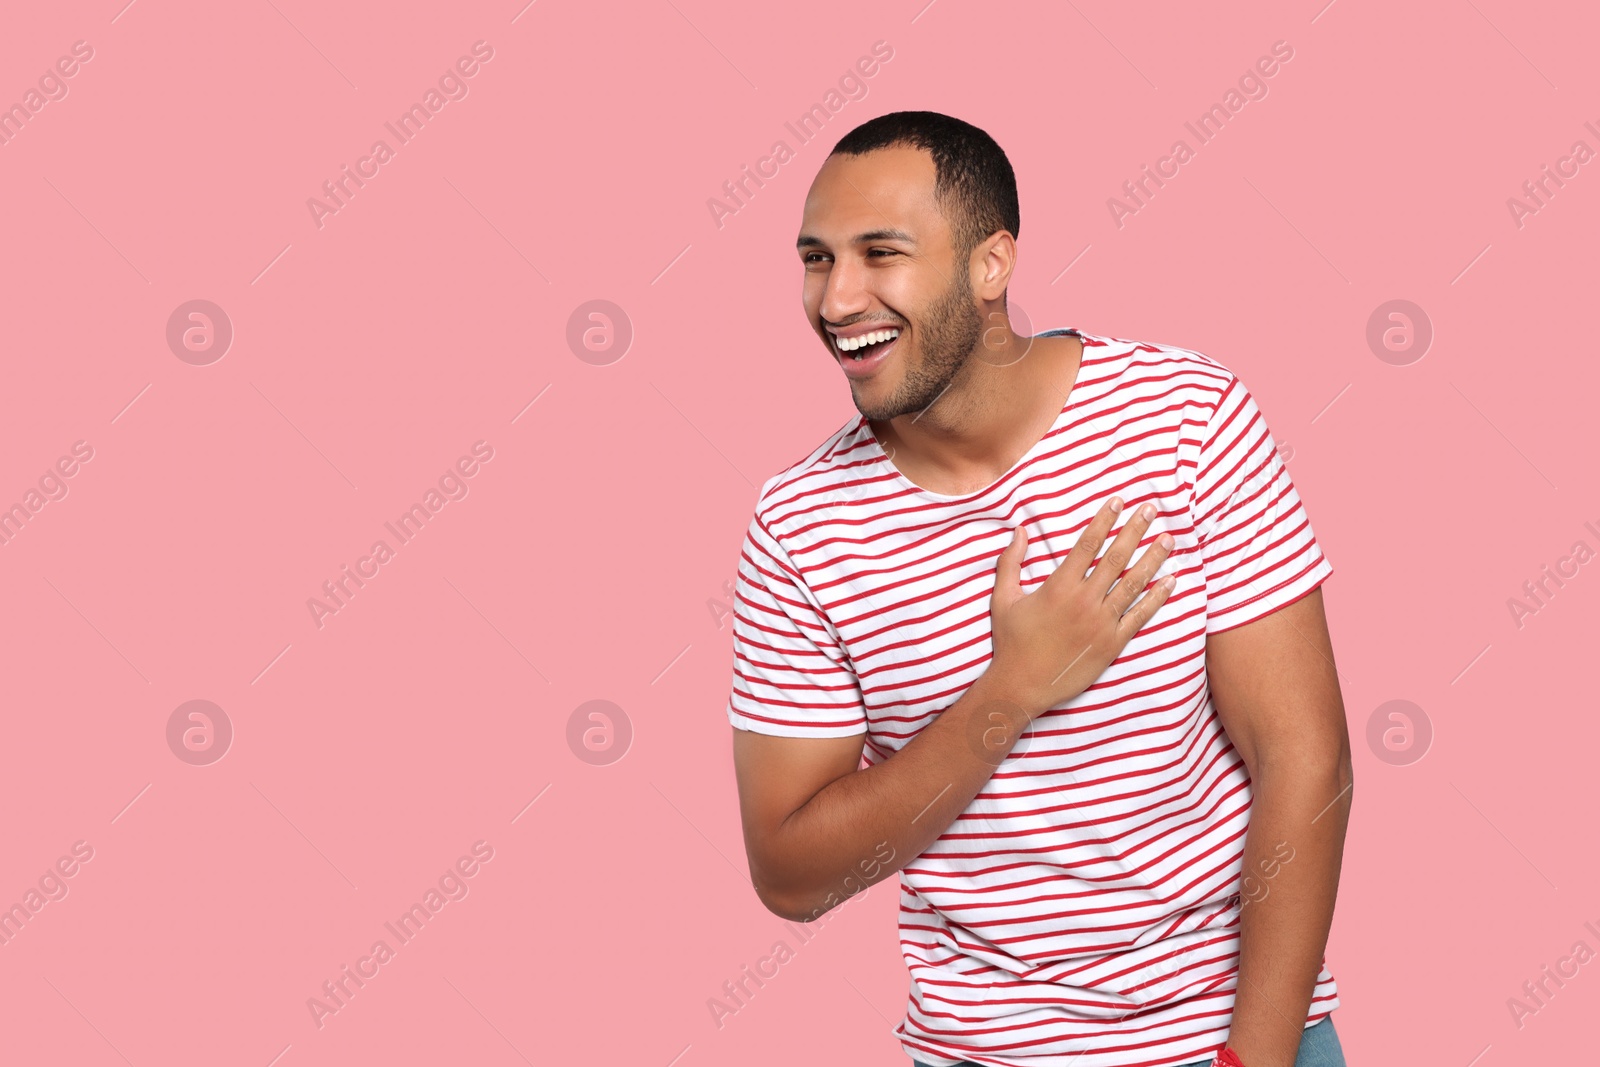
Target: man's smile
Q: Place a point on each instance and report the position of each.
(863, 353)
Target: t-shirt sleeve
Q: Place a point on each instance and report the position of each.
(791, 677)
(1257, 548)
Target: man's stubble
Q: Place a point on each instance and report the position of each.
(947, 342)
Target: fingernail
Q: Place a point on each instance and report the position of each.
(1116, 503)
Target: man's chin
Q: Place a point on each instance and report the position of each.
(868, 399)
(880, 415)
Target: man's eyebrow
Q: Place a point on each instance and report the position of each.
(808, 241)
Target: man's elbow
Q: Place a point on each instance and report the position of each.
(775, 891)
(783, 891)
(784, 903)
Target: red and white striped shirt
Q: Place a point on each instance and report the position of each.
(1085, 906)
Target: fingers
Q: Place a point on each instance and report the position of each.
(1110, 568)
(1120, 551)
(1138, 578)
(1008, 568)
(1135, 617)
(1082, 555)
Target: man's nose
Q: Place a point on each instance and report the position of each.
(845, 293)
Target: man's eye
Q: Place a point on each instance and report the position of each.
(817, 257)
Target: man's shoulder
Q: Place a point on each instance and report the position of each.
(838, 461)
(1157, 353)
(1175, 384)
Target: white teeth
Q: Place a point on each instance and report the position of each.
(850, 344)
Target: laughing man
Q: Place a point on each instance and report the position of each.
(1115, 785)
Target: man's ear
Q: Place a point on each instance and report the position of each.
(994, 259)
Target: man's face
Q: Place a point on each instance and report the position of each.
(877, 253)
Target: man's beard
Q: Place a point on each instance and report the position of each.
(946, 343)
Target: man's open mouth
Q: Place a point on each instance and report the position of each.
(866, 350)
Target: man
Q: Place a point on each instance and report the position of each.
(1118, 822)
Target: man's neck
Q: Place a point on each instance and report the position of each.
(998, 409)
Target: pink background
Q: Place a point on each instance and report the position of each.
(587, 559)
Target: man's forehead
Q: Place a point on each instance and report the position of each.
(884, 190)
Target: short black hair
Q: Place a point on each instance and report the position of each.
(974, 183)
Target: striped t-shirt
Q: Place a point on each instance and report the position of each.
(1085, 906)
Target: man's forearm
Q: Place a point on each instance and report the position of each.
(867, 825)
(1301, 811)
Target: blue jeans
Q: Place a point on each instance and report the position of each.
(1319, 1047)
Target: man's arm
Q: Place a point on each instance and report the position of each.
(1276, 691)
(817, 829)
